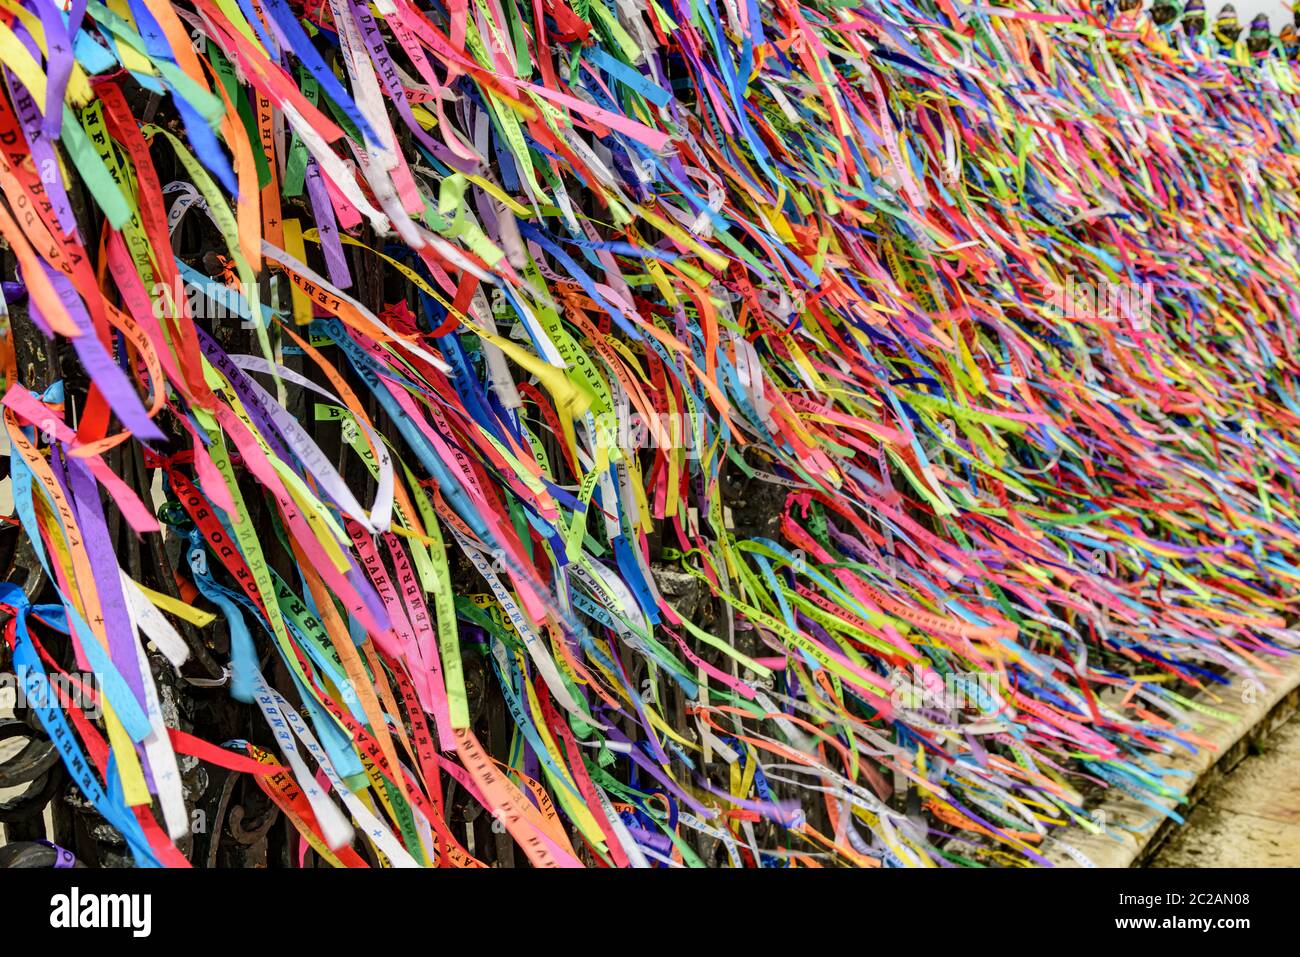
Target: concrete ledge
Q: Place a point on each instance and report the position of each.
(1135, 831)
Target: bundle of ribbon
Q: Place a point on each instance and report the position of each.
(846, 435)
